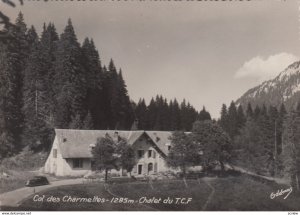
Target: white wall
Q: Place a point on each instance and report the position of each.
(142, 144)
(51, 163)
(64, 167)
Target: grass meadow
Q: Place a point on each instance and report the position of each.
(232, 193)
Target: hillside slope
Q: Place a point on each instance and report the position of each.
(285, 88)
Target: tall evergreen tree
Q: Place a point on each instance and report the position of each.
(94, 77)
(256, 112)
(291, 147)
(241, 118)
(36, 133)
(141, 114)
(49, 40)
(224, 117)
(12, 63)
(204, 115)
(232, 128)
(152, 113)
(252, 152)
(175, 123)
(281, 117)
(69, 81)
(126, 114)
(249, 111)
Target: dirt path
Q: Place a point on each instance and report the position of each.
(13, 198)
(245, 171)
(207, 182)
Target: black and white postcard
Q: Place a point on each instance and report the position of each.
(150, 105)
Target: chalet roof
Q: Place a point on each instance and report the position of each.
(160, 139)
(76, 143)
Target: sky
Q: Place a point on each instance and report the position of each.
(207, 52)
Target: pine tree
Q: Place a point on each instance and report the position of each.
(36, 133)
(69, 81)
(87, 123)
(188, 116)
(256, 112)
(252, 153)
(8, 142)
(241, 119)
(152, 114)
(12, 63)
(204, 115)
(49, 40)
(76, 122)
(267, 127)
(281, 117)
(232, 128)
(291, 147)
(94, 77)
(249, 111)
(175, 116)
(224, 117)
(126, 114)
(141, 114)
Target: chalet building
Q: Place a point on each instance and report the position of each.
(71, 151)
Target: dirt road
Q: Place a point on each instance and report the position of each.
(13, 198)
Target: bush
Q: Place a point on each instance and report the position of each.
(25, 160)
(16, 170)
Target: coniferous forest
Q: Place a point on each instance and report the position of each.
(265, 140)
(52, 81)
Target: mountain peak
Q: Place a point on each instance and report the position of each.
(284, 88)
(292, 69)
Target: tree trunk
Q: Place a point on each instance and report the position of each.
(222, 166)
(297, 181)
(106, 170)
(183, 171)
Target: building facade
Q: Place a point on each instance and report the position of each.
(70, 154)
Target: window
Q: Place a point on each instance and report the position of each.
(149, 153)
(168, 144)
(140, 153)
(77, 163)
(54, 153)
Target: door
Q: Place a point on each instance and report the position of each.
(140, 169)
(150, 168)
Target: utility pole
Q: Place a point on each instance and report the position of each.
(275, 142)
(36, 100)
(275, 148)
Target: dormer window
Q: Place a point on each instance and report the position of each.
(169, 146)
(92, 146)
